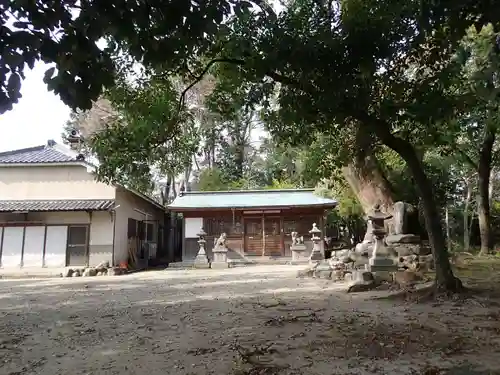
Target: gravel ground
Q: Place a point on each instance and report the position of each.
(257, 320)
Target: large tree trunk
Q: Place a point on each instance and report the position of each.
(483, 197)
(468, 197)
(369, 184)
(366, 179)
(445, 280)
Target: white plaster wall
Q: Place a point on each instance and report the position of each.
(101, 228)
(101, 238)
(127, 202)
(63, 217)
(192, 226)
(51, 182)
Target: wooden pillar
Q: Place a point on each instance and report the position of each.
(263, 235)
(243, 242)
(282, 233)
(322, 227)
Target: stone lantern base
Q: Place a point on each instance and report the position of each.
(201, 261)
(316, 256)
(298, 251)
(220, 258)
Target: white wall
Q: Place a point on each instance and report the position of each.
(101, 238)
(51, 182)
(127, 202)
(192, 226)
(100, 241)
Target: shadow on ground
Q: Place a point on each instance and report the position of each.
(256, 321)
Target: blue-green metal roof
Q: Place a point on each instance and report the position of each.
(250, 199)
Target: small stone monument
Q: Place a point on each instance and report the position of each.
(220, 252)
(316, 253)
(201, 260)
(380, 261)
(298, 248)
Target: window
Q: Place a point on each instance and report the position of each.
(77, 235)
(132, 228)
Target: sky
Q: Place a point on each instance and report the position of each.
(38, 116)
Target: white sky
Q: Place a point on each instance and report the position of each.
(37, 117)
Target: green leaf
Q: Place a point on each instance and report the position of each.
(14, 85)
(48, 74)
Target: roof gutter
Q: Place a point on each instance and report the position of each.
(181, 209)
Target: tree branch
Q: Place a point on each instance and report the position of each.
(277, 77)
(199, 77)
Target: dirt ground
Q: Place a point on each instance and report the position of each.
(257, 320)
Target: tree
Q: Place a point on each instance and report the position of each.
(58, 32)
(476, 128)
(388, 78)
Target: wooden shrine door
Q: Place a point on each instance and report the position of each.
(272, 239)
(253, 236)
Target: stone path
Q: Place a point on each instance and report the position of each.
(253, 320)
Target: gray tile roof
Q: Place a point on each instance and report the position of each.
(56, 205)
(250, 199)
(38, 154)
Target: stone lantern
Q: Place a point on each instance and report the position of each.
(201, 260)
(380, 259)
(316, 253)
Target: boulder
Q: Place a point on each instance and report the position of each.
(89, 272)
(402, 239)
(308, 271)
(67, 272)
(407, 279)
(101, 265)
(361, 281)
(337, 275)
(323, 270)
(115, 271)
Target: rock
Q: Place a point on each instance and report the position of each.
(307, 272)
(323, 270)
(404, 250)
(361, 282)
(337, 275)
(383, 277)
(361, 287)
(76, 273)
(402, 239)
(112, 272)
(365, 276)
(67, 273)
(102, 265)
(407, 279)
(425, 250)
(89, 272)
(115, 271)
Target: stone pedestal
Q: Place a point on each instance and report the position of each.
(220, 258)
(298, 251)
(380, 259)
(201, 260)
(316, 253)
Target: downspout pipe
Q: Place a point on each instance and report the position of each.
(112, 212)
